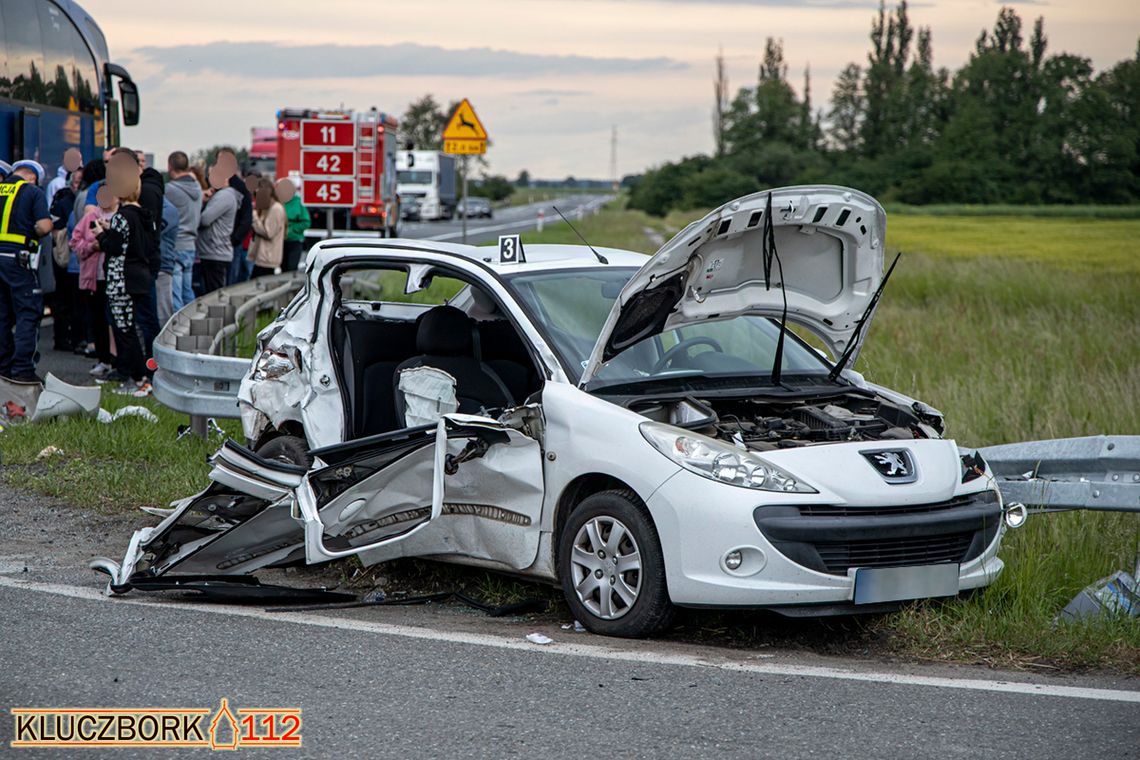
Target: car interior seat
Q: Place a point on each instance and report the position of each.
(445, 338)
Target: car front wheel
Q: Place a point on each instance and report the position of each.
(611, 567)
(290, 449)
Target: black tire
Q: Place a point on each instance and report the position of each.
(290, 449)
(651, 610)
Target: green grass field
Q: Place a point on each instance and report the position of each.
(1017, 327)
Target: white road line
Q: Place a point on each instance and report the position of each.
(592, 651)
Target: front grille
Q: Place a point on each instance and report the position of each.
(838, 558)
(833, 539)
(832, 510)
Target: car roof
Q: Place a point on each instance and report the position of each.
(539, 257)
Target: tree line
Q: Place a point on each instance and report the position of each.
(1015, 124)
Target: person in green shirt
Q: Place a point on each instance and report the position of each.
(297, 219)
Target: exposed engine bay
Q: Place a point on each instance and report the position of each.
(763, 424)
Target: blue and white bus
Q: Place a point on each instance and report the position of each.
(55, 84)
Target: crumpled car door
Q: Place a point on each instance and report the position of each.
(485, 477)
(362, 496)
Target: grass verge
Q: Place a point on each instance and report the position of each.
(614, 226)
(110, 468)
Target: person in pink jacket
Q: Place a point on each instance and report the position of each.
(92, 283)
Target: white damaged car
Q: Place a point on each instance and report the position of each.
(641, 431)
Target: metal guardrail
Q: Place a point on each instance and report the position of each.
(198, 373)
(1100, 472)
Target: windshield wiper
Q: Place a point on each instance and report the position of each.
(768, 253)
(846, 357)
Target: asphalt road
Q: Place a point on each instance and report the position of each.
(509, 220)
(443, 681)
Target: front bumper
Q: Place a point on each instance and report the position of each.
(799, 553)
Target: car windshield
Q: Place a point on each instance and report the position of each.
(411, 177)
(571, 307)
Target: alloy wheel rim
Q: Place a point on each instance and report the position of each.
(605, 565)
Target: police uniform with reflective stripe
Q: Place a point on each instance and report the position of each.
(8, 193)
(21, 301)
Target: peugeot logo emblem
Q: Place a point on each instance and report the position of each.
(894, 465)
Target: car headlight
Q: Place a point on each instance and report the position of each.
(720, 461)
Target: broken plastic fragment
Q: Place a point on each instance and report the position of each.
(134, 411)
(15, 394)
(539, 638)
(1116, 595)
(60, 399)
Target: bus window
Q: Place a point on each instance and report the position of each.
(95, 34)
(86, 76)
(25, 51)
(55, 31)
(5, 83)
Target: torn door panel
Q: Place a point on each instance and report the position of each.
(492, 498)
(241, 523)
(360, 497)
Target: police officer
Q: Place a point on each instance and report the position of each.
(24, 219)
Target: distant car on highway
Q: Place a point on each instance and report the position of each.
(475, 207)
(410, 209)
(643, 431)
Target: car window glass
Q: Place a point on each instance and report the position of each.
(389, 285)
(572, 308)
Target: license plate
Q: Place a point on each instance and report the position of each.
(894, 584)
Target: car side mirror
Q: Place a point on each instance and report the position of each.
(129, 97)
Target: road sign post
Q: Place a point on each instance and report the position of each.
(464, 215)
(464, 136)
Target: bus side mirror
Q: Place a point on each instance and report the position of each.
(129, 97)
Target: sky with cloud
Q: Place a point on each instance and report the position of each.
(549, 78)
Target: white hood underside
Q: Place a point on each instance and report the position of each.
(829, 239)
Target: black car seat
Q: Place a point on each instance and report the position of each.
(444, 340)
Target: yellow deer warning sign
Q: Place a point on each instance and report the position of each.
(464, 133)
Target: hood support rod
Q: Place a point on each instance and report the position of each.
(863, 320)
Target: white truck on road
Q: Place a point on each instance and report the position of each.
(429, 177)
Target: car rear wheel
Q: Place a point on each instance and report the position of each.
(290, 449)
(611, 567)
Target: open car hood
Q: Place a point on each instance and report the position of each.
(829, 239)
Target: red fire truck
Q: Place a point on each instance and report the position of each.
(354, 174)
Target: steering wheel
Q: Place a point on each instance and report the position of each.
(668, 357)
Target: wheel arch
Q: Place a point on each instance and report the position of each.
(289, 427)
(581, 487)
